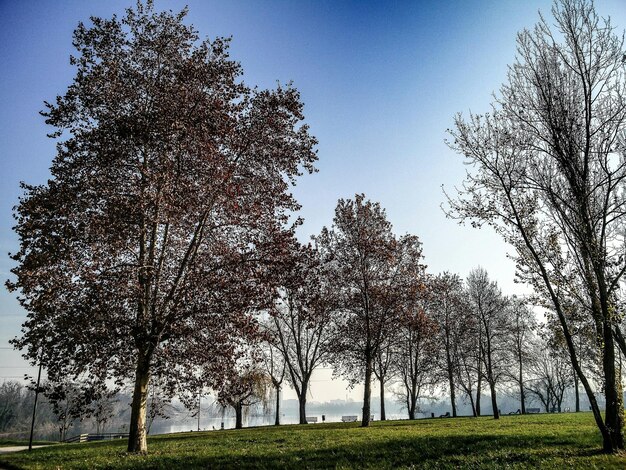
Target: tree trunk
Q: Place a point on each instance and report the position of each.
(383, 416)
(367, 393)
(471, 397)
(412, 409)
(478, 387)
(522, 394)
(614, 407)
(576, 393)
(450, 378)
(302, 401)
(302, 409)
(452, 395)
(277, 420)
(137, 441)
(238, 415)
(494, 400)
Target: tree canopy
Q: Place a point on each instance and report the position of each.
(167, 206)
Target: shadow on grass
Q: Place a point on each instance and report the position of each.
(435, 444)
(486, 450)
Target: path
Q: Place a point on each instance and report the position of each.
(6, 450)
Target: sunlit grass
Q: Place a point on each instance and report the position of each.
(546, 441)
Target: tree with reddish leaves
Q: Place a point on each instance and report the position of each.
(152, 243)
(376, 274)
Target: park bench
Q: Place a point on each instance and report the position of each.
(349, 418)
(447, 415)
(311, 419)
(518, 412)
(533, 410)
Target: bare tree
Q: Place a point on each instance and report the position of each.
(245, 385)
(103, 408)
(489, 306)
(300, 323)
(521, 335)
(549, 171)
(383, 370)
(70, 403)
(446, 304)
(275, 366)
(550, 376)
(467, 358)
(415, 358)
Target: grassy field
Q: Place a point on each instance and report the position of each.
(546, 441)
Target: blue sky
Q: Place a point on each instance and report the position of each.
(381, 82)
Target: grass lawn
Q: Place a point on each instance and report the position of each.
(547, 441)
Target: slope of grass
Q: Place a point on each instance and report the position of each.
(546, 441)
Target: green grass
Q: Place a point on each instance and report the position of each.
(546, 441)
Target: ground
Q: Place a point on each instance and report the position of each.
(568, 440)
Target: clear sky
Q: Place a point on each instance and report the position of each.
(381, 82)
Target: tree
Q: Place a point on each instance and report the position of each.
(467, 358)
(489, 306)
(70, 402)
(168, 196)
(11, 397)
(415, 359)
(550, 375)
(301, 322)
(244, 385)
(446, 304)
(549, 172)
(376, 274)
(383, 370)
(103, 408)
(521, 331)
(275, 366)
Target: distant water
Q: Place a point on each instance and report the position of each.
(214, 423)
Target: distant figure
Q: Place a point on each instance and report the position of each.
(323, 418)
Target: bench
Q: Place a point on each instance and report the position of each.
(533, 410)
(518, 412)
(349, 419)
(447, 415)
(311, 419)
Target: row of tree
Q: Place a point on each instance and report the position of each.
(359, 300)
(165, 229)
(548, 172)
